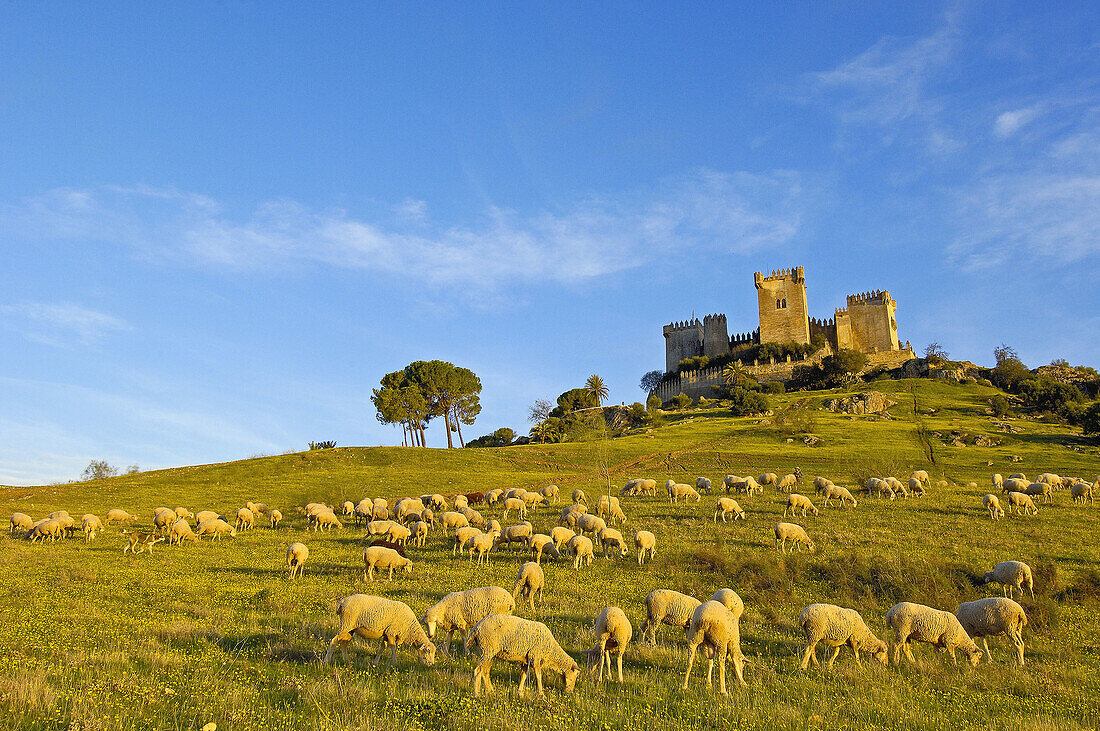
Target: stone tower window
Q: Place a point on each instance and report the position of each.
(780, 304)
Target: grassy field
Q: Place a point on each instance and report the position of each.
(214, 632)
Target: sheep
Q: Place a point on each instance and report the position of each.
(994, 616)
(581, 548)
(821, 482)
(384, 558)
(1013, 484)
(873, 486)
(530, 580)
(475, 498)
(46, 528)
(452, 520)
(550, 493)
(1051, 479)
(493, 496)
(184, 513)
(482, 544)
(729, 482)
(570, 514)
(702, 484)
(1040, 488)
(406, 505)
(473, 517)
(749, 485)
(786, 483)
(519, 640)
(459, 611)
(180, 532)
(921, 475)
(942, 484)
(118, 516)
(993, 505)
(611, 538)
(613, 633)
(325, 519)
(204, 515)
(256, 508)
(347, 508)
(797, 502)
(924, 624)
(578, 496)
(163, 520)
(379, 512)
(835, 492)
(1018, 476)
(561, 535)
(517, 504)
(665, 606)
(680, 491)
(791, 532)
(835, 627)
(460, 501)
(1080, 492)
(379, 527)
(372, 617)
(1012, 576)
(245, 519)
(534, 500)
(436, 502)
(915, 486)
(899, 487)
(462, 538)
(399, 534)
(731, 601)
(997, 481)
(646, 543)
(610, 506)
(296, 555)
(725, 506)
(715, 628)
(1022, 503)
(591, 524)
(20, 521)
(519, 533)
(419, 531)
(540, 542)
(275, 516)
(215, 527)
(645, 486)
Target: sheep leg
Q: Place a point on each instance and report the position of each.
(832, 659)
(710, 671)
(691, 661)
(523, 680)
(988, 654)
(1018, 640)
(722, 674)
(810, 653)
(620, 664)
(951, 652)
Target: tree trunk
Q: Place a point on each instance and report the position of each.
(458, 425)
(447, 423)
(404, 435)
(422, 444)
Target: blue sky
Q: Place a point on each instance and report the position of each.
(222, 224)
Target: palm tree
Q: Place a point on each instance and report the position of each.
(596, 388)
(732, 374)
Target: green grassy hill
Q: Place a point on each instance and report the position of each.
(214, 632)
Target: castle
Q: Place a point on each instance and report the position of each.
(866, 324)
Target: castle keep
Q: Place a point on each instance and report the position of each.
(866, 324)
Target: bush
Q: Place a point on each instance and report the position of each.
(653, 403)
(1008, 372)
(1001, 406)
(1047, 394)
(695, 363)
(681, 401)
(1090, 420)
(745, 402)
(773, 387)
(331, 443)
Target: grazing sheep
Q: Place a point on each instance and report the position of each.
(570, 515)
(245, 519)
(729, 482)
(482, 544)
(873, 486)
(678, 491)
(715, 628)
(326, 519)
(916, 487)
(835, 492)
(534, 500)
(296, 555)
(942, 484)
(452, 520)
(702, 484)
(609, 506)
(460, 501)
(991, 617)
(993, 505)
(419, 531)
(90, 524)
(796, 503)
(899, 487)
(611, 538)
(379, 512)
(768, 478)
(921, 475)
(725, 506)
(997, 481)
(1080, 492)
(180, 532)
(540, 542)
(791, 532)
(348, 508)
(1040, 488)
(379, 527)
(399, 534)
(582, 549)
(163, 520)
(459, 611)
(731, 601)
(646, 543)
(204, 515)
(591, 524)
(917, 622)
(1018, 476)
(1051, 479)
(1022, 503)
(386, 544)
(530, 580)
(276, 516)
(835, 627)
(256, 508)
(118, 516)
(517, 504)
(519, 640)
(184, 513)
(550, 493)
(473, 517)
(821, 482)
(475, 498)
(217, 528)
(577, 496)
(493, 496)
(384, 558)
(1013, 484)
(519, 533)
(462, 538)
(407, 505)
(47, 528)
(561, 535)
(613, 633)
(665, 606)
(436, 502)
(786, 483)
(372, 618)
(1012, 576)
(646, 487)
(749, 485)
(20, 521)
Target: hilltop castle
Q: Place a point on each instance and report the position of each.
(866, 324)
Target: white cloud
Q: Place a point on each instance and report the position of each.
(60, 324)
(1009, 123)
(737, 212)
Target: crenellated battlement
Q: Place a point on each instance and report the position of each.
(796, 274)
(875, 297)
(716, 318)
(823, 322)
(681, 326)
(749, 338)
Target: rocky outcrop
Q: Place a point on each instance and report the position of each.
(954, 371)
(870, 402)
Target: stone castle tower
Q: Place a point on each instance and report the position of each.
(784, 313)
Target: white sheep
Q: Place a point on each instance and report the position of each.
(1043, 489)
(702, 484)
(517, 504)
(216, 528)
(835, 492)
(204, 515)
(609, 506)
(419, 532)
(296, 555)
(725, 506)
(921, 475)
(715, 628)
(530, 581)
(591, 524)
(997, 481)
(379, 527)
(611, 538)
(519, 533)
(459, 611)
(372, 618)
(452, 519)
(791, 532)
(384, 558)
(577, 496)
(582, 549)
(786, 482)
(493, 496)
(180, 532)
(613, 633)
(550, 493)
(326, 519)
(275, 516)
(460, 501)
(519, 640)
(994, 616)
(1014, 484)
(916, 487)
(346, 508)
(540, 543)
(473, 517)
(91, 524)
(678, 491)
(561, 535)
(993, 506)
(1012, 576)
(245, 519)
(646, 543)
(1018, 476)
(118, 516)
(1051, 479)
(917, 622)
(797, 503)
(835, 627)
(482, 544)
(665, 606)
(768, 478)
(1080, 492)
(645, 486)
(399, 534)
(20, 521)
(462, 538)
(1022, 503)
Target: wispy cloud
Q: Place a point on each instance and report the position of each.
(704, 210)
(1009, 123)
(60, 324)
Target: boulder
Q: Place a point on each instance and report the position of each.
(870, 402)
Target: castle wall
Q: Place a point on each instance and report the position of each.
(716, 341)
(784, 313)
(874, 327)
(824, 329)
(682, 340)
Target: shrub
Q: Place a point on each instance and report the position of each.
(1047, 394)
(653, 403)
(1090, 420)
(773, 387)
(694, 363)
(1001, 406)
(745, 402)
(681, 401)
(323, 445)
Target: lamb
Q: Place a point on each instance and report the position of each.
(991, 617)
(540, 542)
(20, 521)
(519, 533)
(786, 483)
(791, 532)
(462, 538)
(347, 508)
(924, 624)
(296, 555)
(119, 516)
(1022, 503)
(921, 475)
(577, 496)
(665, 606)
(581, 548)
(398, 534)
(993, 505)
(276, 516)
(646, 543)
(796, 502)
(180, 532)
(613, 633)
(1080, 492)
(609, 506)
(680, 491)
(702, 484)
(530, 582)
(216, 528)
(419, 531)
(384, 558)
(835, 492)
(245, 519)
(561, 535)
(713, 627)
(523, 641)
(1011, 575)
(835, 627)
(459, 611)
(550, 493)
(372, 617)
(482, 544)
(997, 481)
(326, 519)
(611, 538)
(452, 520)
(725, 506)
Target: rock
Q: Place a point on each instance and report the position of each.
(983, 441)
(1015, 458)
(870, 402)
(956, 442)
(811, 440)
